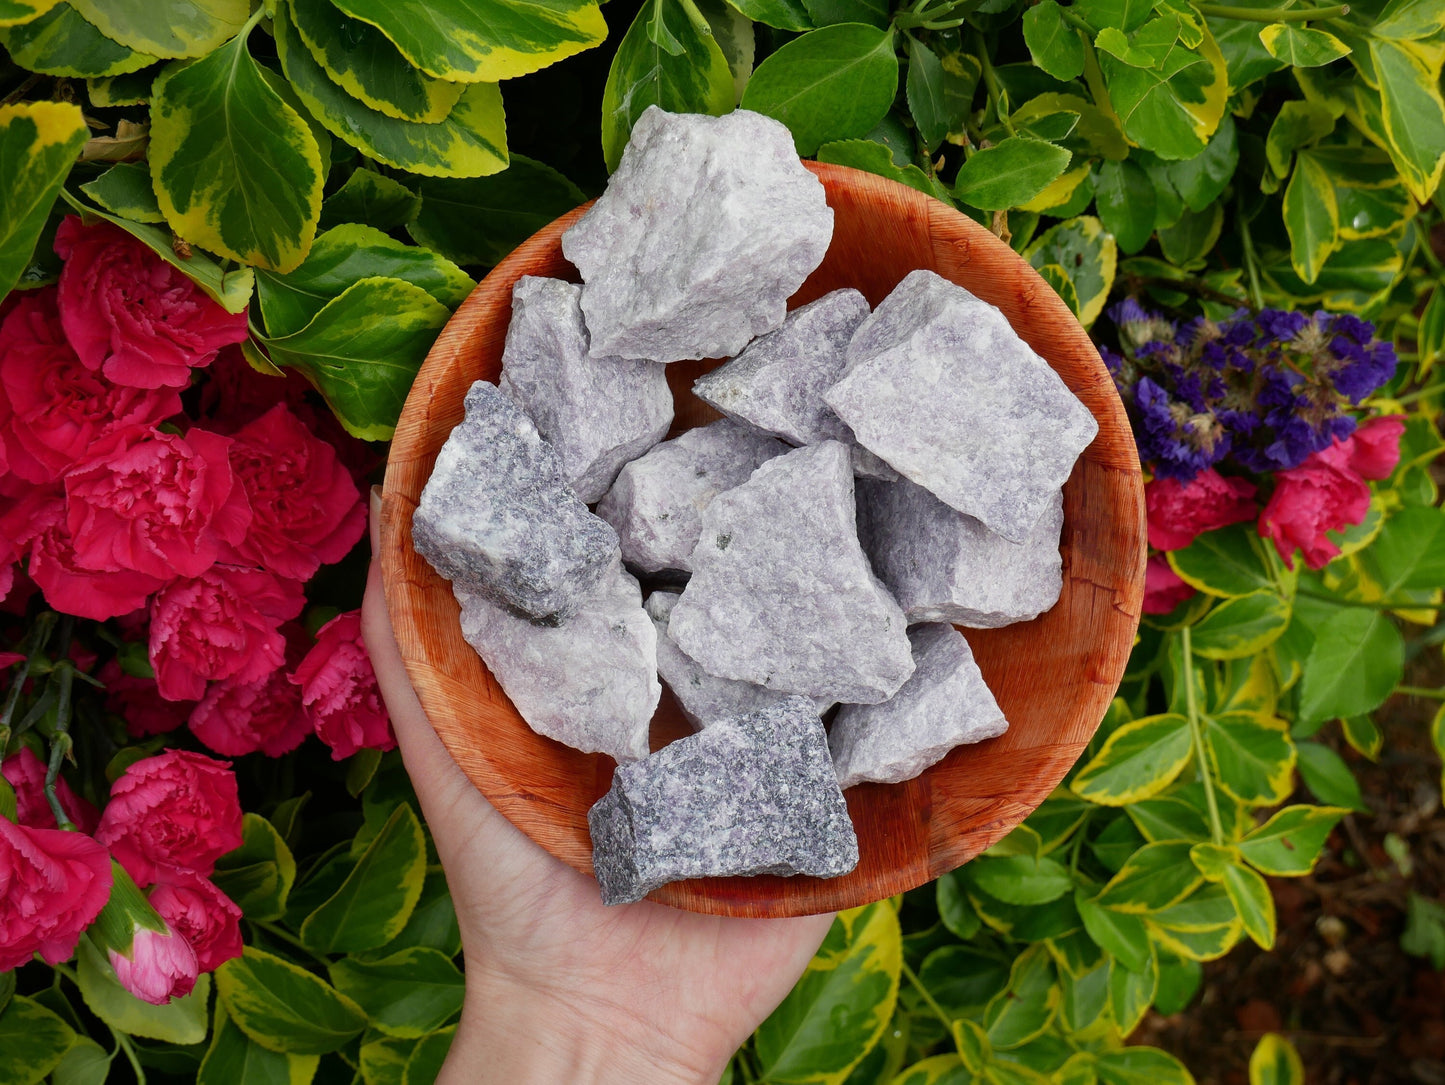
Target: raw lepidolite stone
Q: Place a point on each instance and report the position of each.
(941, 387)
(704, 698)
(657, 501)
(498, 519)
(707, 227)
(944, 566)
(591, 682)
(945, 704)
(781, 594)
(598, 413)
(755, 794)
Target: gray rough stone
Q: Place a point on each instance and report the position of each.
(944, 566)
(781, 594)
(598, 413)
(704, 698)
(707, 227)
(657, 501)
(592, 682)
(752, 795)
(945, 704)
(498, 519)
(941, 387)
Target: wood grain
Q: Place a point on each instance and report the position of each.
(1054, 677)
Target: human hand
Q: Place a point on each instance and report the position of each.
(561, 988)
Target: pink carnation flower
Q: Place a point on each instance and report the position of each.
(236, 718)
(201, 914)
(306, 510)
(1163, 590)
(131, 314)
(26, 774)
(221, 624)
(52, 408)
(1319, 495)
(155, 503)
(339, 690)
(52, 886)
(177, 809)
(160, 966)
(1372, 451)
(1179, 512)
(138, 701)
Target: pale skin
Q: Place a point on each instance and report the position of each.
(559, 987)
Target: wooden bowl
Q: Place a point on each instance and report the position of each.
(1053, 677)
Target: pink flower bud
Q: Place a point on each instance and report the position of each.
(161, 966)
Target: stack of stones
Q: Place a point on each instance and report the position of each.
(877, 478)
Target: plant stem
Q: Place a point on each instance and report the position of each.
(1273, 15)
(1411, 397)
(1251, 261)
(1421, 691)
(1188, 285)
(1216, 829)
(290, 939)
(990, 80)
(928, 998)
(1376, 604)
(122, 1043)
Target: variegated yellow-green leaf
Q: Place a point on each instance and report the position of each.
(1297, 124)
(1372, 210)
(236, 169)
(370, 197)
(1132, 993)
(695, 78)
(1088, 253)
(33, 1040)
(1141, 1066)
(1248, 685)
(235, 1059)
(1058, 191)
(133, 88)
(1208, 944)
(482, 41)
(1023, 1009)
(1211, 859)
(1252, 756)
(258, 875)
(383, 1061)
(973, 1044)
(179, 1021)
(1311, 216)
(840, 1005)
(470, 142)
(125, 189)
(1139, 759)
(374, 903)
(283, 1007)
(1173, 109)
(15, 12)
(1289, 843)
(424, 1064)
(937, 1070)
(1168, 817)
(1204, 909)
(1253, 901)
(406, 994)
(60, 42)
(38, 145)
(1413, 114)
(1155, 877)
(1362, 734)
(1084, 997)
(1302, 46)
(1010, 173)
(364, 63)
(1123, 934)
(1275, 1062)
(1242, 626)
(185, 28)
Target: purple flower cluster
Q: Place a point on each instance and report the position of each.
(1263, 391)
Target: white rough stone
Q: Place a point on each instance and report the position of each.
(657, 501)
(598, 413)
(497, 518)
(590, 682)
(944, 566)
(707, 227)
(781, 593)
(941, 387)
(945, 704)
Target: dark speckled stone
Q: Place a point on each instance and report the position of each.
(756, 794)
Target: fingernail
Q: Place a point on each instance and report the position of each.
(375, 521)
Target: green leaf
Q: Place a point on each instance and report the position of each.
(963, 979)
(1413, 114)
(1083, 998)
(1312, 217)
(1156, 877)
(235, 1059)
(167, 30)
(32, 1042)
(406, 994)
(1116, 844)
(1225, 563)
(13, 12)
(864, 154)
(467, 41)
(425, 1064)
(1240, 627)
(1202, 179)
(1171, 110)
(1437, 738)
(125, 190)
(375, 199)
(830, 84)
(1252, 900)
(1275, 1062)
(1124, 198)
(1362, 734)
(259, 874)
(235, 168)
(938, 1070)
(1409, 553)
(374, 903)
(1297, 124)
(433, 922)
(954, 909)
(1211, 859)
(1251, 755)
(1289, 843)
(86, 1063)
(38, 144)
(927, 99)
(1140, 759)
(180, 1021)
(780, 14)
(643, 74)
(1010, 173)
(1123, 15)
(383, 1061)
(735, 36)
(133, 88)
(1302, 46)
(365, 64)
(285, 1008)
(1329, 778)
(1147, 47)
(470, 142)
(1054, 45)
(1367, 212)
(1132, 993)
(1357, 658)
(1019, 879)
(1408, 20)
(341, 258)
(1424, 934)
(362, 366)
(1121, 934)
(1141, 1066)
(1089, 254)
(1168, 817)
(828, 12)
(60, 42)
(1179, 981)
(1024, 1008)
(840, 1005)
(1192, 237)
